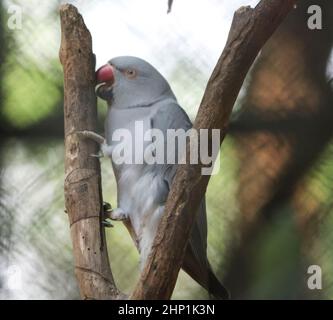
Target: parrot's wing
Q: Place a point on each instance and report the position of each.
(172, 116)
(169, 115)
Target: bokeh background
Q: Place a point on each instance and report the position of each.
(270, 213)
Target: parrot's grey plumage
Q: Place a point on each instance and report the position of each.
(140, 93)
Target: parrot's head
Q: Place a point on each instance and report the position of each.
(129, 81)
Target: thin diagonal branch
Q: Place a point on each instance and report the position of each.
(250, 29)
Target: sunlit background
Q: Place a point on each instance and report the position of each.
(270, 207)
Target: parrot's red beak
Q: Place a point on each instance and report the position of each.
(105, 74)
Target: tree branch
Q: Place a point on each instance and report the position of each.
(169, 5)
(83, 196)
(250, 29)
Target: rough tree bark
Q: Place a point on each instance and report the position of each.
(83, 196)
(250, 29)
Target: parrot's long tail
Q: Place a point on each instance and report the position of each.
(201, 271)
(216, 288)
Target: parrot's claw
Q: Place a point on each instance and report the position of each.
(107, 224)
(91, 135)
(107, 209)
(99, 155)
(106, 206)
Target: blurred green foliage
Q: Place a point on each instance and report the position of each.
(32, 75)
(31, 94)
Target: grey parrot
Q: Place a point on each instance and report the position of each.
(137, 93)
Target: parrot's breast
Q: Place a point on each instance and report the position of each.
(141, 193)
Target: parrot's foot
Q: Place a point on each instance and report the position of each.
(118, 215)
(86, 134)
(92, 136)
(107, 224)
(99, 155)
(107, 209)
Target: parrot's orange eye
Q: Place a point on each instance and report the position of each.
(130, 73)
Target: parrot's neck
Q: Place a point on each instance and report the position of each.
(167, 95)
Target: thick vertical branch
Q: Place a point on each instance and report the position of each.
(250, 29)
(83, 195)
